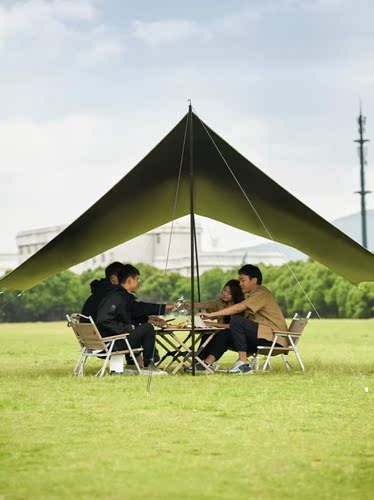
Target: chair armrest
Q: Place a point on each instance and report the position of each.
(115, 337)
(286, 334)
(268, 347)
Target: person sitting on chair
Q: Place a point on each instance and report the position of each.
(231, 294)
(101, 288)
(118, 312)
(262, 315)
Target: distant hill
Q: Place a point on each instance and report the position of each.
(350, 225)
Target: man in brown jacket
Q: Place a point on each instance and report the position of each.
(262, 315)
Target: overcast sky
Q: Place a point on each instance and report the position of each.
(88, 87)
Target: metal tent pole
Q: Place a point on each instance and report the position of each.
(197, 264)
(192, 237)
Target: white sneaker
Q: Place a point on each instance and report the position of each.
(241, 368)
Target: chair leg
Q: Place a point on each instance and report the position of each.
(299, 360)
(78, 364)
(296, 351)
(286, 363)
(109, 353)
(267, 361)
(133, 356)
(255, 363)
(81, 368)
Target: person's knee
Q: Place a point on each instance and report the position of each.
(149, 329)
(236, 321)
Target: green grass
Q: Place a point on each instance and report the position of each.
(270, 436)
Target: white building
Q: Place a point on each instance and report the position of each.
(152, 248)
(149, 248)
(223, 259)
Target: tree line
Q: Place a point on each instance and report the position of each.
(332, 295)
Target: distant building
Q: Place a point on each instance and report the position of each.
(152, 248)
(225, 260)
(29, 242)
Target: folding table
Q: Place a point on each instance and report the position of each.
(178, 349)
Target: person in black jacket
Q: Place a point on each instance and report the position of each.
(101, 288)
(119, 312)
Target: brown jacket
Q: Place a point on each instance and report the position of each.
(263, 308)
(217, 305)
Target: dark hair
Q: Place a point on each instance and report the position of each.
(128, 271)
(252, 272)
(236, 292)
(113, 268)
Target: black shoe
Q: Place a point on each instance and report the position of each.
(198, 368)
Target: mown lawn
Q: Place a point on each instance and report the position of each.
(270, 436)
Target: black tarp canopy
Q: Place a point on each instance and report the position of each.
(144, 199)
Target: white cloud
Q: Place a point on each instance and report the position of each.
(292, 119)
(233, 24)
(278, 5)
(53, 170)
(173, 30)
(33, 17)
(29, 145)
(104, 47)
(47, 31)
(168, 30)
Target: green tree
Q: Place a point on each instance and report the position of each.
(53, 298)
(331, 294)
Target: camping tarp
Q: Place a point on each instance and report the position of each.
(144, 199)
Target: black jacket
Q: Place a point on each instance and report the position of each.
(99, 289)
(120, 311)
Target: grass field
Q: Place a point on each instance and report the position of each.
(270, 436)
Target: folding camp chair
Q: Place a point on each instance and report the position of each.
(293, 335)
(93, 345)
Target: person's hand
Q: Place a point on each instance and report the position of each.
(210, 323)
(206, 315)
(157, 321)
(179, 305)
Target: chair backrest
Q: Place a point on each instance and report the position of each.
(87, 333)
(297, 326)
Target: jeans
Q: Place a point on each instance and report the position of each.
(244, 334)
(143, 336)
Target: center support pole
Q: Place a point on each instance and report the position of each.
(192, 237)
